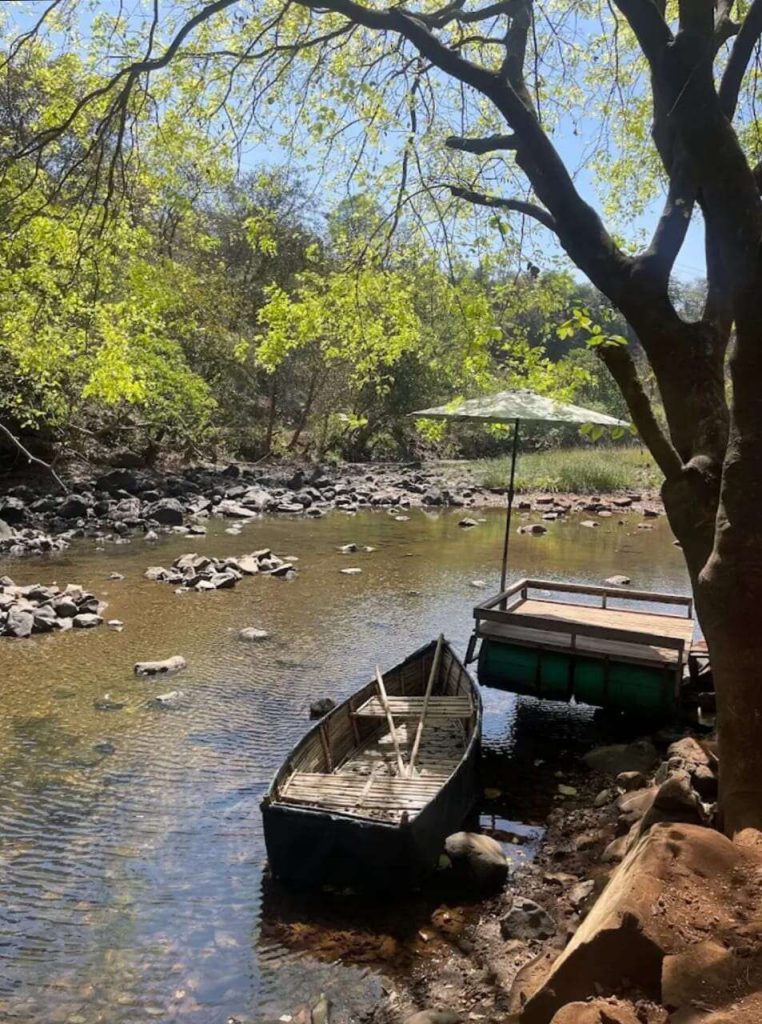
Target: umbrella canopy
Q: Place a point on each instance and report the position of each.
(515, 407)
(509, 406)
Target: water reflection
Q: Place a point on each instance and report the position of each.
(131, 850)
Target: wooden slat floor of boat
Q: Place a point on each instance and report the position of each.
(614, 649)
(366, 784)
(402, 707)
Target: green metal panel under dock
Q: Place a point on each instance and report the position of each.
(576, 641)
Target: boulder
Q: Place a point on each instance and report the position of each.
(234, 510)
(675, 800)
(477, 861)
(20, 622)
(534, 528)
(119, 479)
(86, 620)
(6, 533)
(639, 756)
(253, 635)
(13, 510)
(321, 707)
(167, 511)
(598, 1011)
(160, 668)
(73, 507)
(527, 920)
(663, 900)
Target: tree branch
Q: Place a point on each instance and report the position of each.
(622, 368)
(498, 202)
(455, 12)
(32, 458)
(673, 224)
(489, 144)
(650, 28)
(738, 61)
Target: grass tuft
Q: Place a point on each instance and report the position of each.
(594, 470)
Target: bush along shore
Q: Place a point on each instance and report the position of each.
(118, 502)
(637, 910)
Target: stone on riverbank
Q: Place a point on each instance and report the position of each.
(527, 920)
(477, 861)
(206, 573)
(160, 668)
(434, 1017)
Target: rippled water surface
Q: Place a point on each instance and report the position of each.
(131, 850)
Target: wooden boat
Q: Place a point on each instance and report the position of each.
(368, 796)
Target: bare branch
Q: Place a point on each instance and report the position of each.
(498, 202)
(488, 144)
(738, 61)
(455, 12)
(621, 366)
(32, 458)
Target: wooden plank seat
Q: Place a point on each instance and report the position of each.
(411, 707)
(348, 792)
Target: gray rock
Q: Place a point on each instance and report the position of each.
(45, 619)
(622, 757)
(73, 507)
(353, 571)
(20, 622)
(116, 624)
(118, 480)
(167, 511)
(151, 535)
(86, 620)
(157, 572)
(618, 581)
(160, 668)
(6, 533)
(604, 797)
(253, 635)
(677, 801)
(477, 861)
(581, 894)
(286, 569)
(348, 549)
(65, 607)
(321, 707)
(116, 576)
(13, 510)
(534, 528)
(467, 523)
(107, 703)
(172, 699)
(527, 920)
(234, 510)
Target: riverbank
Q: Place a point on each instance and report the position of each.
(113, 504)
(635, 910)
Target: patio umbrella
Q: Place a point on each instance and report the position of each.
(515, 407)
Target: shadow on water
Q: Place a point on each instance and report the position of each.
(131, 850)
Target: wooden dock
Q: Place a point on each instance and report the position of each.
(564, 640)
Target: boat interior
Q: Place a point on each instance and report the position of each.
(388, 750)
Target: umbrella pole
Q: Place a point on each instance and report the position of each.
(506, 540)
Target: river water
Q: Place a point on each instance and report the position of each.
(131, 852)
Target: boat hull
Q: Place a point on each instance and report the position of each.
(311, 846)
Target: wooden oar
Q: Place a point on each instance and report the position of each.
(422, 720)
(389, 721)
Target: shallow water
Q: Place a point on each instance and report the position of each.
(131, 850)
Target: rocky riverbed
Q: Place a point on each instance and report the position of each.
(118, 502)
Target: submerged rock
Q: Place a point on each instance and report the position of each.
(160, 668)
(321, 707)
(253, 635)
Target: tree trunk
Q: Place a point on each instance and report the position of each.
(271, 414)
(306, 409)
